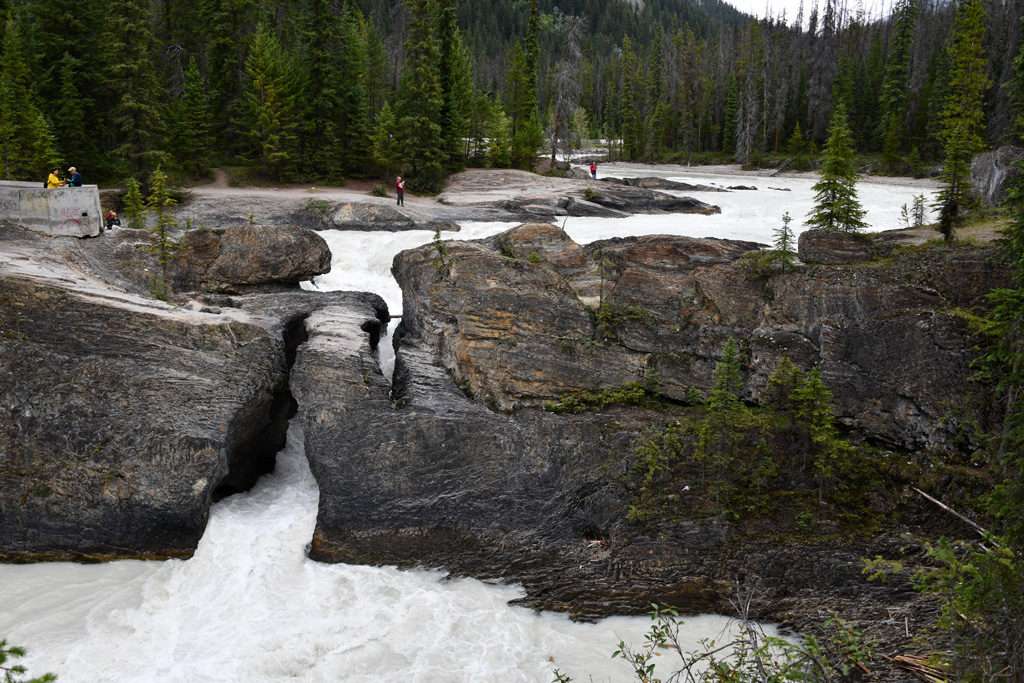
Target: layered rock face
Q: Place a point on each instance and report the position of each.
(120, 423)
(458, 468)
(122, 418)
(525, 317)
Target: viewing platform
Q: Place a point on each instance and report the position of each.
(61, 211)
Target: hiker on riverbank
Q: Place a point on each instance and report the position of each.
(400, 190)
(593, 170)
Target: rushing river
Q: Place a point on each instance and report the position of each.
(249, 606)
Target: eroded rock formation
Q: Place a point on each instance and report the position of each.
(122, 418)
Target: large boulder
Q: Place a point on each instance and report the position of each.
(246, 257)
(833, 246)
(654, 183)
(238, 259)
(367, 216)
(992, 173)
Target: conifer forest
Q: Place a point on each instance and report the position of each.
(323, 89)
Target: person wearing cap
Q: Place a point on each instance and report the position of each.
(75, 179)
(53, 181)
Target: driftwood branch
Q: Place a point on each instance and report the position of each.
(974, 525)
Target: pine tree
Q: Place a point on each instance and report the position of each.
(456, 71)
(230, 26)
(27, 145)
(962, 117)
(134, 119)
(721, 434)
(158, 204)
(353, 121)
(631, 104)
(784, 241)
(272, 112)
(386, 151)
(501, 140)
(526, 130)
(732, 105)
(797, 147)
(189, 124)
(421, 99)
(67, 74)
(134, 207)
(895, 85)
(324, 78)
(812, 409)
(835, 200)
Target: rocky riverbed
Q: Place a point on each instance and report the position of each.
(124, 416)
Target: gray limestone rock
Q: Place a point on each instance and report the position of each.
(992, 172)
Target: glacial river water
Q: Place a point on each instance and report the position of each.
(249, 606)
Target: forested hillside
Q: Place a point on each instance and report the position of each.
(321, 89)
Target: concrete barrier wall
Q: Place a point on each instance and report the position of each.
(73, 211)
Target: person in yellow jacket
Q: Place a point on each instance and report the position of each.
(53, 180)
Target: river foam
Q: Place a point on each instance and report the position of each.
(249, 606)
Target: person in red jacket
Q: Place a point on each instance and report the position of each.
(593, 170)
(400, 190)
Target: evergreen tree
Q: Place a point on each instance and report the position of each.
(230, 26)
(962, 117)
(731, 114)
(27, 147)
(797, 147)
(134, 207)
(896, 83)
(165, 247)
(1002, 364)
(526, 130)
(501, 140)
(456, 72)
(721, 434)
(421, 99)
(189, 124)
(133, 125)
(835, 200)
(386, 151)
(353, 119)
(324, 79)
(631, 104)
(67, 71)
(784, 242)
(812, 408)
(9, 147)
(272, 113)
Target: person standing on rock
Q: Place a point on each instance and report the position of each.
(400, 190)
(593, 170)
